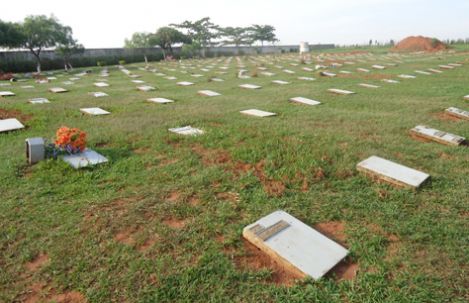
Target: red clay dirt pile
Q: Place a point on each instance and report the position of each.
(418, 44)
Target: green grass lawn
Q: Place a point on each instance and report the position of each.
(162, 221)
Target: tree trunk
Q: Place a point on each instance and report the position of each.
(70, 67)
(38, 66)
(146, 60)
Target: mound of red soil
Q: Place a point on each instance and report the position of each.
(419, 44)
(6, 76)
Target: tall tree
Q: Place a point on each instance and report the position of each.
(40, 32)
(166, 37)
(236, 36)
(263, 33)
(140, 40)
(11, 35)
(67, 51)
(201, 32)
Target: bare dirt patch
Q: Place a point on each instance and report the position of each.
(175, 223)
(228, 196)
(212, 156)
(272, 187)
(345, 270)
(253, 259)
(126, 236)
(38, 262)
(173, 196)
(334, 230)
(446, 117)
(147, 244)
(41, 292)
(419, 43)
(12, 113)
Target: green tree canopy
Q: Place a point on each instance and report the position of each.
(236, 36)
(201, 32)
(11, 35)
(166, 37)
(140, 40)
(263, 33)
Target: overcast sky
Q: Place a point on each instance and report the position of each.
(99, 24)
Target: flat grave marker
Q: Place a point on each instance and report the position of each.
(458, 113)
(250, 86)
(421, 72)
(38, 101)
(6, 94)
(466, 97)
(391, 172)
(306, 78)
(257, 113)
(57, 90)
(340, 91)
(425, 132)
(10, 124)
(327, 74)
(304, 101)
(145, 88)
(446, 66)
(99, 94)
(363, 70)
(27, 86)
(377, 66)
(208, 93)
(187, 131)
(160, 100)
(217, 80)
(86, 158)
(94, 111)
(294, 245)
(185, 83)
(366, 85)
(404, 76)
(390, 81)
(437, 71)
(280, 82)
(138, 81)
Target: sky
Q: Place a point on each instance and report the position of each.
(101, 24)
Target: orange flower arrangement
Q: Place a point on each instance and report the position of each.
(72, 140)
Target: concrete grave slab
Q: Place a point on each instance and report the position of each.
(421, 72)
(57, 90)
(185, 83)
(307, 69)
(27, 86)
(145, 88)
(425, 132)
(87, 158)
(280, 82)
(458, 113)
(257, 113)
(304, 101)
(99, 94)
(363, 70)
(390, 81)
(138, 81)
(393, 173)
(217, 80)
(171, 78)
(446, 66)
(340, 91)
(6, 94)
(404, 76)
(187, 131)
(377, 66)
(160, 100)
(9, 125)
(294, 245)
(345, 72)
(94, 111)
(288, 71)
(38, 101)
(208, 93)
(5, 84)
(366, 85)
(327, 74)
(455, 64)
(466, 97)
(306, 78)
(437, 71)
(101, 84)
(250, 86)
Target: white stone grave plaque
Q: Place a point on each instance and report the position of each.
(294, 245)
(437, 135)
(197, 75)
(433, 70)
(187, 131)
(327, 74)
(6, 94)
(391, 172)
(185, 83)
(305, 101)
(250, 86)
(27, 86)
(446, 66)
(94, 111)
(145, 88)
(377, 66)
(368, 85)
(217, 80)
(57, 90)
(466, 97)
(170, 78)
(390, 81)
(306, 78)
(340, 91)
(138, 81)
(363, 70)
(288, 71)
(257, 113)
(86, 158)
(208, 93)
(268, 74)
(101, 84)
(280, 82)
(99, 94)
(160, 100)
(39, 101)
(10, 124)
(421, 72)
(459, 113)
(404, 76)
(345, 72)
(455, 64)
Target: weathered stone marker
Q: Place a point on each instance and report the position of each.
(432, 134)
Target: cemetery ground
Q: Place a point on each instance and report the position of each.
(162, 221)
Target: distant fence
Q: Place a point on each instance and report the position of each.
(23, 61)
